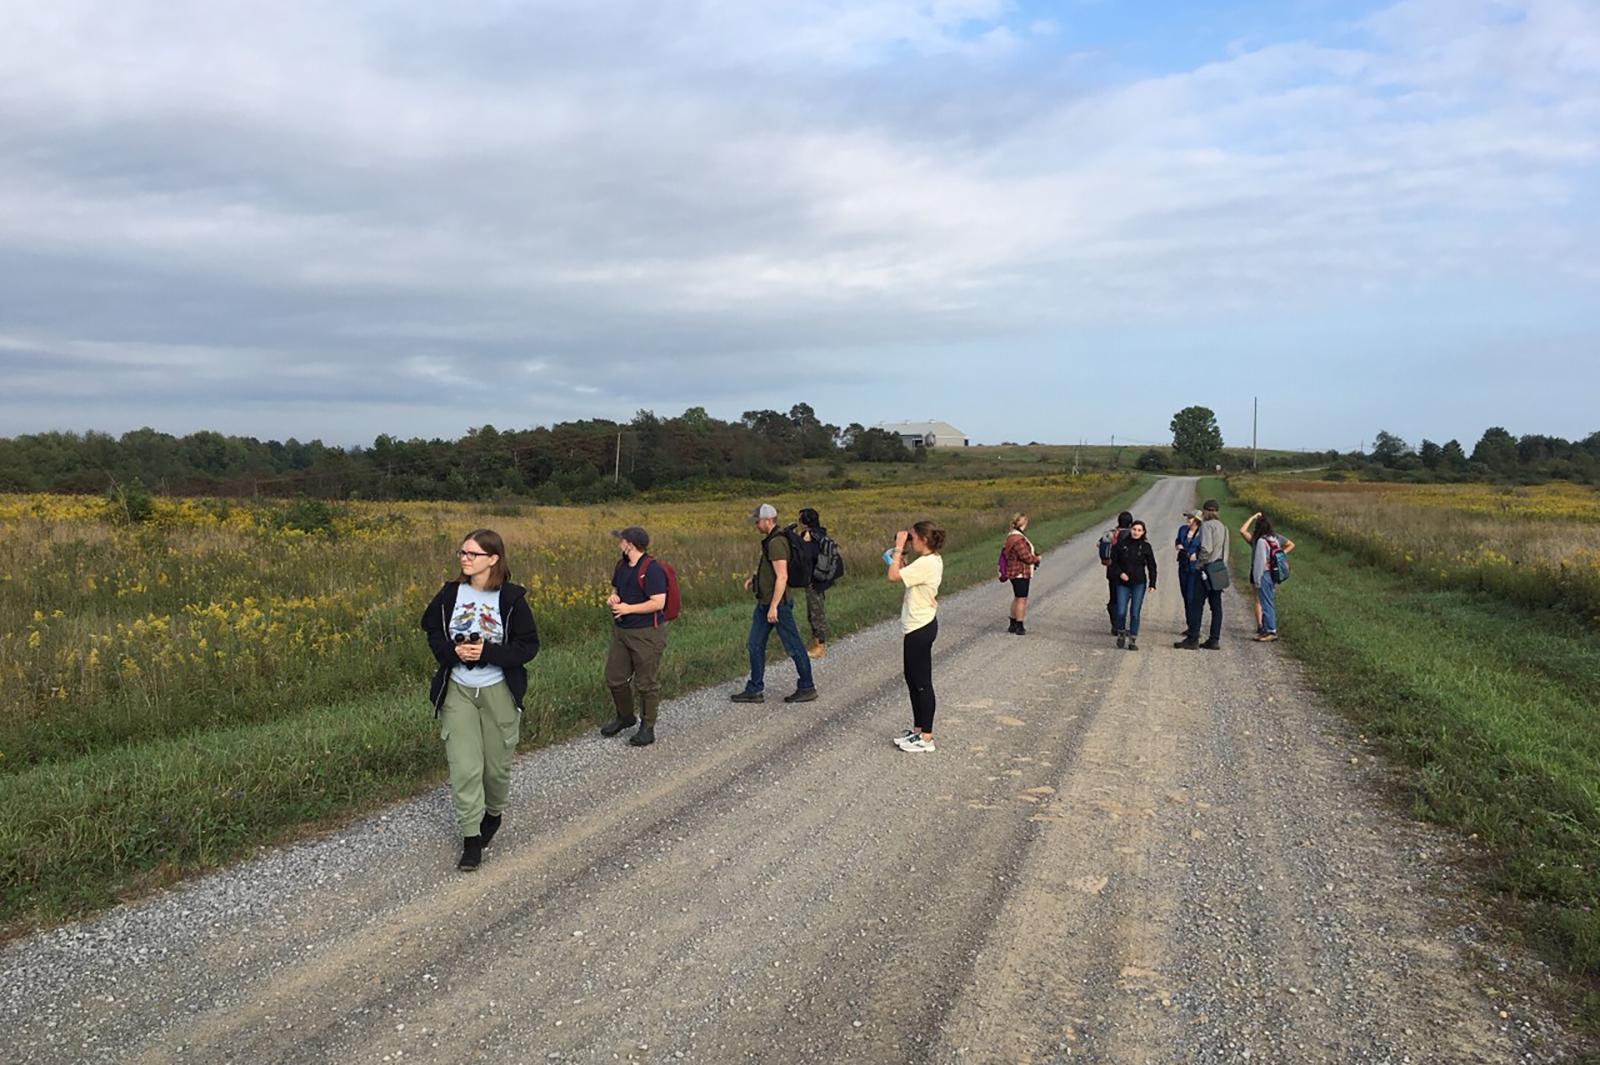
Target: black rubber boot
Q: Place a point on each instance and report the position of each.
(488, 827)
(1022, 629)
(471, 854)
(617, 724)
(643, 738)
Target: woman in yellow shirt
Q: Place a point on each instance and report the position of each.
(920, 623)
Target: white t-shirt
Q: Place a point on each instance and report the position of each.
(477, 612)
(921, 579)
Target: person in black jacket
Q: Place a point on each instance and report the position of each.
(812, 534)
(482, 634)
(1131, 559)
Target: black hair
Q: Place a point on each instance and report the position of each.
(1124, 520)
(808, 518)
(1264, 527)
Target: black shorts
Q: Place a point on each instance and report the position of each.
(1019, 587)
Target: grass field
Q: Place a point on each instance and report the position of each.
(182, 691)
(1488, 701)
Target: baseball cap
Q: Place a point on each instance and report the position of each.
(1210, 504)
(1189, 514)
(634, 535)
(765, 510)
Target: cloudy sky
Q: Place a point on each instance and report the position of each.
(1035, 220)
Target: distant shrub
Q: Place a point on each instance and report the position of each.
(1152, 460)
(130, 504)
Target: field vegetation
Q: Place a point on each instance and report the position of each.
(1425, 613)
(184, 687)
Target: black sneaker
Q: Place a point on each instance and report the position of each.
(749, 697)
(801, 695)
(488, 827)
(616, 725)
(471, 854)
(643, 738)
(1211, 645)
(1122, 641)
(1187, 645)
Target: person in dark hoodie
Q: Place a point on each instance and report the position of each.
(1132, 558)
(1107, 542)
(814, 535)
(482, 634)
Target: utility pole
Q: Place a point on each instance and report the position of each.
(1077, 448)
(1255, 413)
(616, 474)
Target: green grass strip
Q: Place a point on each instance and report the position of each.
(76, 836)
(1490, 704)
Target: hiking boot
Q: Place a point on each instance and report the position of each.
(1187, 644)
(818, 649)
(1122, 641)
(1011, 626)
(1021, 630)
(749, 697)
(801, 695)
(1211, 645)
(1266, 637)
(616, 725)
(1133, 643)
(488, 827)
(471, 854)
(644, 737)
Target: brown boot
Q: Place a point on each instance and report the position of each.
(817, 649)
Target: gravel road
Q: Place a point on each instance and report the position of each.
(1160, 856)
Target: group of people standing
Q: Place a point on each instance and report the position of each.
(482, 633)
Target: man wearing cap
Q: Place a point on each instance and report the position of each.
(770, 583)
(1212, 546)
(638, 636)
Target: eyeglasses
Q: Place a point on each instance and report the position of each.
(464, 553)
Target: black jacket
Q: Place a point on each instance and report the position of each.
(512, 656)
(1133, 557)
(812, 548)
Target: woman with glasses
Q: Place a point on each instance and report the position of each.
(482, 633)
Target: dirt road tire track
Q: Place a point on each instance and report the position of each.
(1123, 857)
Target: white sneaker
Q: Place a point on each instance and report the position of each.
(917, 745)
(901, 737)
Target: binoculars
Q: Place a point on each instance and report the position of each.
(468, 637)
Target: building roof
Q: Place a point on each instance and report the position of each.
(941, 430)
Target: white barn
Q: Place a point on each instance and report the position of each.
(926, 434)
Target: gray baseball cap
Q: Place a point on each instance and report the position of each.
(765, 510)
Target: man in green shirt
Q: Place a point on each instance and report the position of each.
(770, 583)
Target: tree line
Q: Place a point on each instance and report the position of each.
(579, 461)
(1532, 458)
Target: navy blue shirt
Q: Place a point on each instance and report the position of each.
(1185, 547)
(626, 581)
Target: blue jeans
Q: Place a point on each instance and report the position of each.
(788, 635)
(1267, 593)
(1130, 598)
(1186, 583)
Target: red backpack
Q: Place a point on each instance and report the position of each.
(674, 603)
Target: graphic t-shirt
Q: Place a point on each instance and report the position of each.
(477, 612)
(629, 590)
(921, 579)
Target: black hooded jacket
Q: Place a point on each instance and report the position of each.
(512, 656)
(1134, 557)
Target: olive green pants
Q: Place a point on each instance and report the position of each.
(633, 666)
(479, 727)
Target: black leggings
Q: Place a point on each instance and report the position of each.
(918, 651)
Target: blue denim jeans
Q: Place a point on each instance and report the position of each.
(1130, 599)
(1267, 593)
(788, 635)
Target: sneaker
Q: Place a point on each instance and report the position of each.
(918, 745)
(616, 725)
(1187, 644)
(901, 737)
(1266, 637)
(471, 854)
(1211, 645)
(749, 697)
(801, 695)
(818, 649)
(1122, 641)
(488, 827)
(643, 738)
(1133, 643)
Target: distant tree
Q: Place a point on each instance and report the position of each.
(1388, 449)
(696, 420)
(1432, 454)
(1496, 449)
(1453, 455)
(1196, 437)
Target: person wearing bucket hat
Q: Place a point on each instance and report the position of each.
(1211, 551)
(638, 602)
(770, 583)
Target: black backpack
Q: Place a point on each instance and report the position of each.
(799, 575)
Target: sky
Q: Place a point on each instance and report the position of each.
(1036, 221)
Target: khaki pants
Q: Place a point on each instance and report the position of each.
(632, 668)
(479, 727)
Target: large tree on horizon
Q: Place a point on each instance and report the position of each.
(1195, 435)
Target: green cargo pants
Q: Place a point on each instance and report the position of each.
(632, 668)
(479, 727)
